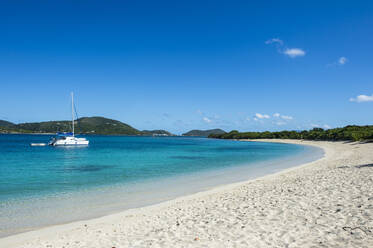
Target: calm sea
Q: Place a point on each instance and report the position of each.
(42, 186)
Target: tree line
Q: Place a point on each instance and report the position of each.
(348, 133)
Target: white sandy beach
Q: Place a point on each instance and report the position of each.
(326, 203)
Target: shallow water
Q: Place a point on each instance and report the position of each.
(41, 186)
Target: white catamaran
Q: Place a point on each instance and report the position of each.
(69, 139)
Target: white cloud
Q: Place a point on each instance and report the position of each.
(274, 40)
(342, 60)
(294, 52)
(326, 126)
(291, 52)
(315, 125)
(286, 117)
(207, 120)
(362, 98)
(255, 119)
(260, 116)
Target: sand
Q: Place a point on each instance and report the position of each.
(325, 203)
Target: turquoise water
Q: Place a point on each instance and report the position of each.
(37, 182)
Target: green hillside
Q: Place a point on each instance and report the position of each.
(204, 133)
(351, 133)
(100, 125)
(156, 133)
(87, 125)
(6, 123)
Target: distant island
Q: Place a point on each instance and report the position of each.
(156, 133)
(348, 133)
(204, 133)
(84, 125)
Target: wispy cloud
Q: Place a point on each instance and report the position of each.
(342, 60)
(262, 116)
(362, 98)
(326, 126)
(207, 120)
(285, 117)
(294, 52)
(291, 52)
(275, 119)
(274, 40)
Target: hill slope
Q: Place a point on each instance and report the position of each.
(100, 125)
(156, 133)
(204, 133)
(6, 123)
(92, 125)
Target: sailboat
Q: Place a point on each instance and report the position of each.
(69, 139)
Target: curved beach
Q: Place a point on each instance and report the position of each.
(325, 203)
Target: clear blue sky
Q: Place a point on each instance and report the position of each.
(193, 64)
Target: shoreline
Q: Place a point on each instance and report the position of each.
(133, 217)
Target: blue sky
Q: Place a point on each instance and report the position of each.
(193, 64)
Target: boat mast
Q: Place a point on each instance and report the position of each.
(72, 110)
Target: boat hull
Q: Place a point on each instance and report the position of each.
(71, 144)
(70, 141)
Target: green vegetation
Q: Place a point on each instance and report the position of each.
(204, 133)
(351, 133)
(156, 133)
(100, 125)
(9, 127)
(85, 125)
(6, 124)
